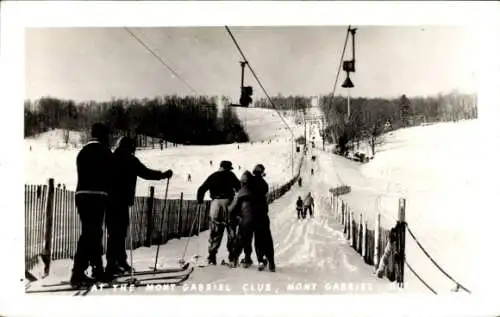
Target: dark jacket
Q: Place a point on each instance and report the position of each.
(244, 205)
(93, 165)
(221, 184)
(309, 201)
(126, 169)
(300, 203)
(261, 189)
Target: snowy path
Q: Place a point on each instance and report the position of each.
(310, 253)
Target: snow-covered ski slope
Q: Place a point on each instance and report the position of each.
(40, 163)
(265, 124)
(441, 171)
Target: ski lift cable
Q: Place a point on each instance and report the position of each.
(335, 87)
(435, 263)
(257, 78)
(161, 60)
(420, 278)
(340, 63)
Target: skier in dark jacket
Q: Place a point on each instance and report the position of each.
(299, 205)
(93, 165)
(126, 168)
(222, 186)
(264, 246)
(242, 212)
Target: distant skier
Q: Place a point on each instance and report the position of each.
(299, 205)
(312, 171)
(308, 205)
(189, 178)
(300, 181)
(222, 186)
(126, 169)
(211, 162)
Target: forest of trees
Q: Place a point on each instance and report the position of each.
(281, 102)
(371, 117)
(181, 120)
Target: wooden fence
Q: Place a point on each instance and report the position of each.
(52, 224)
(380, 247)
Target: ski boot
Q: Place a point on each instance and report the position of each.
(79, 280)
(232, 264)
(125, 267)
(99, 275)
(212, 259)
(262, 264)
(272, 266)
(246, 263)
(114, 270)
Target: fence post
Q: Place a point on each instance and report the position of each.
(365, 240)
(333, 207)
(360, 234)
(149, 216)
(401, 240)
(348, 223)
(49, 217)
(179, 229)
(343, 213)
(376, 253)
(351, 218)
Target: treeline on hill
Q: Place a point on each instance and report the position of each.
(294, 103)
(371, 117)
(182, 120)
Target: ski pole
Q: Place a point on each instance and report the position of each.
(130, 240)
(161, 225)
(182, 261)
(199, 229)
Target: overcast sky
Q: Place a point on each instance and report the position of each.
(101, 63)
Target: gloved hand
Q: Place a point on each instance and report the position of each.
(168, 174)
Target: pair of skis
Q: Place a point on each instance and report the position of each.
(162, 276)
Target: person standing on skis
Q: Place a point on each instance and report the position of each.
(126, 168)
(242, 212)
(93, 165)
(264, 246)
(299, 205)
(222, 186)
(308, 205)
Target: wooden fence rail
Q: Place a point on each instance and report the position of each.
(52, 224)
(375, 244)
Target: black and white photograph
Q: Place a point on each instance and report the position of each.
(322, 159)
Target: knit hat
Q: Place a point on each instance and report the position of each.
(259, 170)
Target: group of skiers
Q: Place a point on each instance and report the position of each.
(105, 191)
(240, 208)
(304, 206)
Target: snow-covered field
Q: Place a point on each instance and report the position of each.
(437, 169)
